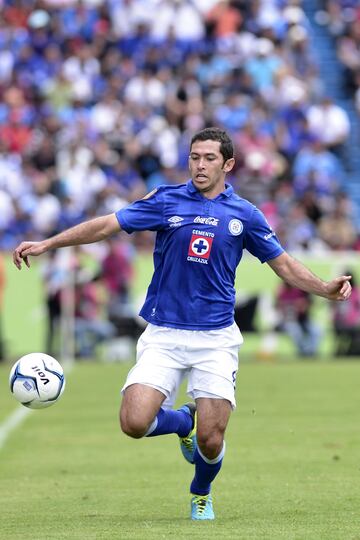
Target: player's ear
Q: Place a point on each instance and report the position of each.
(229, 165)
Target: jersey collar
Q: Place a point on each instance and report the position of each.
(229, 190)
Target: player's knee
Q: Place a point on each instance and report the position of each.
(210, 444)
(131, 426)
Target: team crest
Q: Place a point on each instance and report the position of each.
(236, 227)
(199, 248)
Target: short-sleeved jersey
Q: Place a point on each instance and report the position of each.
(199, 244)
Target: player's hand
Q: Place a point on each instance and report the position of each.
(339, 288)
(24, 250)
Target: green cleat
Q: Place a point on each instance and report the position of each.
(188, 444)
(201, 507)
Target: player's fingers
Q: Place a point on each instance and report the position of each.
(17, 263)
(345, 290)
(25, 255)
(342, 279)
(17, 259)
(22, 253)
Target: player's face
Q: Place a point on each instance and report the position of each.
(207, 167)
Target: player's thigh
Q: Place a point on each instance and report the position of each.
(140, 403)
(214, 364)
(212, 417)
(159, 363)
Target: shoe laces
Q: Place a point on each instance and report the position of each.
(188, 443)
(200, 502)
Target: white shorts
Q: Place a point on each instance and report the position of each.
(208, 358)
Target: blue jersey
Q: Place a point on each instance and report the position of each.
(199, 244)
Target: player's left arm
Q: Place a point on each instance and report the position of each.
(298, 275)
(88, 232)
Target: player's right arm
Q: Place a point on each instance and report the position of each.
(88, 232)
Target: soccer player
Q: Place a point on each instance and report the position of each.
(202, 229)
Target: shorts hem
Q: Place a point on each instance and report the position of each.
(196, 393)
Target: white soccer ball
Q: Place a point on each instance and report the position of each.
(37, 380)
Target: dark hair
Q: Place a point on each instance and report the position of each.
(216, 134)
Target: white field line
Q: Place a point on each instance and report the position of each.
(12, 422)
(17, 417)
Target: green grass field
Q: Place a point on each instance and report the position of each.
(291, 471)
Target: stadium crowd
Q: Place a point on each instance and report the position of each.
(99, 100)
(342, 18)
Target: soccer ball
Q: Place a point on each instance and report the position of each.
(37, 380)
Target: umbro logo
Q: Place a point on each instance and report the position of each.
(175, 219)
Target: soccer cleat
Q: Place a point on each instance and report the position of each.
(188, 444)
(201, 507)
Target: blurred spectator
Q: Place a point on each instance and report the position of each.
(224, 20)
(349, 49)
(91, 325)
(233, 114)
(53, 273)
(180, 16)
(294, 307)
(312, 207)
(336, 228)
(299, 55)
(327, 113)
(58, 93)
(318, 169)
(292, 133)
(146, 88)
(16, 129)
(264, 67)
(332, 16)
(346, 320)
(302, 232)
(127, 15)
(128, 182)
(256, 179)
(42, 206)
(82, 69)
(117, 274)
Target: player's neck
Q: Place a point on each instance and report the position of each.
(213, 192)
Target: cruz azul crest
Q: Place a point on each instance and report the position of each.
(200, 247)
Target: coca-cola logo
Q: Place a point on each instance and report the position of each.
(207, 220)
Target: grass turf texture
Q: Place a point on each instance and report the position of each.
(291, 469)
